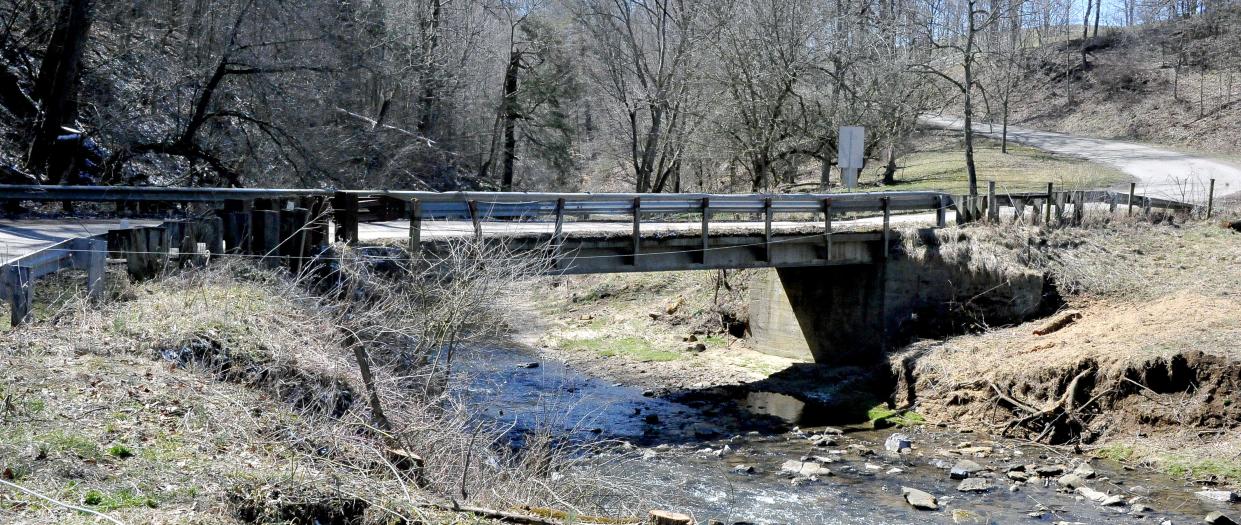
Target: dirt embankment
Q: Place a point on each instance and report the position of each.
(1143, 362)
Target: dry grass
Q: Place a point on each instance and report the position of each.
(619, 322)
(230, 394)
(1149, 296)
(938, 163)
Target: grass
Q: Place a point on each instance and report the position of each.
(940, 165)
(121, 499)
(880, 415)
(631, 347)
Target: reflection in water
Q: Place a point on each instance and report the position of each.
(783, 406)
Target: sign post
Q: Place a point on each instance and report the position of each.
(850, 154)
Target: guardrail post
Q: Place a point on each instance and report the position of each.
(993, 206)
(637, 231)
(558, 229)
(1079, 207)
(293, 224)
(706, 230)
(1211, 199)
(1036, 215)
(767, 213)
(21, 293)
(1019, 209)
(96, 262)
(346, 208)
(266, 236)
(474, 218)
(887, 215)
(827, 227)
(941, 213)
(415, 227)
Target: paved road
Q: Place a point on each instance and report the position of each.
(18, 238)
(1161, 173)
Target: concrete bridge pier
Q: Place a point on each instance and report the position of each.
(833, 315)
(852, 314)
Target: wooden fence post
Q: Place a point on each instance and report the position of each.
(1211, 199)
(1133, 186)
(1050, 196)
(941, 213)
(21, 293)
(96, 261)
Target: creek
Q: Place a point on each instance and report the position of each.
(721, 459)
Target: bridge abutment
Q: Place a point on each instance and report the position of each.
(851, 314)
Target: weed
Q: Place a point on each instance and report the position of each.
(73, 443)
(120, 451)
(124, 498)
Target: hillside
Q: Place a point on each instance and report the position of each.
(1174, 83)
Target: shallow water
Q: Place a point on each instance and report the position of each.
(682, 466)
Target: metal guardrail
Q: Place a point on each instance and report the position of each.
(146, 193)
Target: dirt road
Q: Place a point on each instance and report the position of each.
(1160, 172)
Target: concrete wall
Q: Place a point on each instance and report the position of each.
(849, 315)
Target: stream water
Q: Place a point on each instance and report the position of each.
(695, 459)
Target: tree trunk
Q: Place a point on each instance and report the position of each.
(510, 120)
(1004, 128)
(57, 85)
(1098, 10)
(968, 88)
(889, 170)
(427, 100)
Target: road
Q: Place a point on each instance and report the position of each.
(1160, 172)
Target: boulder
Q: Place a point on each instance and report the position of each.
(804, 468)
(919, 500)
(897, 443)
(964, 469)
(743, 469)
(1223, 496)
(1048, 471)
(663, 517)
(1070, 481)
(1018, 475)
(974, 485)
(822, 440)
(968, 517)
(1085, 471)
(1218, 518)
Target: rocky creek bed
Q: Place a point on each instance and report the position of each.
(744, 456)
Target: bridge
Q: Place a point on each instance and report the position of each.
(834, 296)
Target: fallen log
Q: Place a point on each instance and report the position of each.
(1059, 322)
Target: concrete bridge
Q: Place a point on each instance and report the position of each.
(832, 291)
